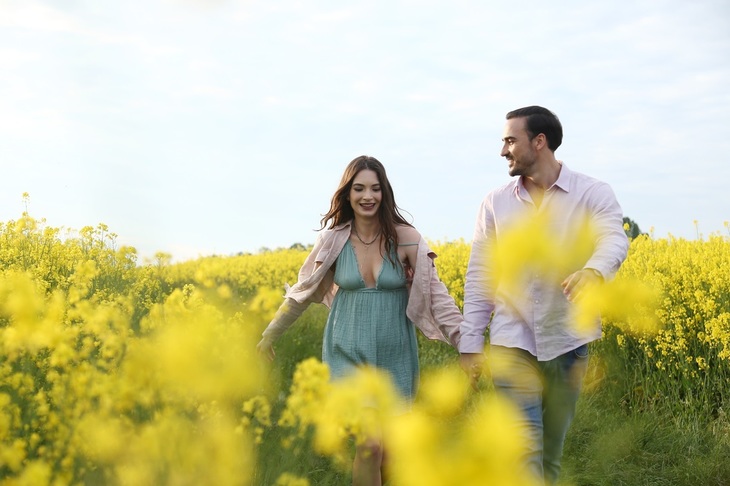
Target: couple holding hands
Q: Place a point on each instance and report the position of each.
(376, 274)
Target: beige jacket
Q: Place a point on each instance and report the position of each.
(430, 307)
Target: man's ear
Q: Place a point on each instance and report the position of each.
(540, 141)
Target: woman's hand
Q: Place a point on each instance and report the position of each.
(409, 272)
(266, 348)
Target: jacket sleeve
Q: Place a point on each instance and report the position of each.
(287, 314)
(445, 312)
(307, 290)
(430, 306)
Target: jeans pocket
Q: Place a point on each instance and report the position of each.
(581, 352)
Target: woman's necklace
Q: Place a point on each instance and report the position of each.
(366, 243)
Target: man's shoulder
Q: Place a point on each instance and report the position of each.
(593, 188)
(581, 177)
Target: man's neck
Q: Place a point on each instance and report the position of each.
(539, 182)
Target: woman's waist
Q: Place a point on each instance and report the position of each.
(374, 290)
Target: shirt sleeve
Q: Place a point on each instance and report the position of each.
(479, 286)
(612, 244)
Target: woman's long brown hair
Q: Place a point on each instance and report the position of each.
(389, 213)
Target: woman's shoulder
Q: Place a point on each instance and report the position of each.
(328, 236)
(407, 234)
(335, 229)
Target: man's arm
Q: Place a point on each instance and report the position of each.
(612, 244)
(479, 286)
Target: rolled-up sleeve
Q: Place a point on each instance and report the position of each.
(612, 244)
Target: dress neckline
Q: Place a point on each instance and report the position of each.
(359, 270)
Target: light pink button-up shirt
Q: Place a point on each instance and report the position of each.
(536, 316)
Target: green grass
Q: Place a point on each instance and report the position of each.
(608, 446)
(610, 442)
(302, 341)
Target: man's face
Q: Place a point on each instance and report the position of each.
(517, 148)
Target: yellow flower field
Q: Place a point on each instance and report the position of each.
(112, 372)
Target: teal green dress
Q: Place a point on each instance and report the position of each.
(369, 326)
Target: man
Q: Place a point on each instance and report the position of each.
(537, 351)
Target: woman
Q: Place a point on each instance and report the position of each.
(376, 273)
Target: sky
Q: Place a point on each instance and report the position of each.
(197, 128)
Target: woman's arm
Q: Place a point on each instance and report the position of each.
(408, 238)
(431, 307)
(291, 308)
(285, 316)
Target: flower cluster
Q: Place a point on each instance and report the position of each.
(687, 357)
(446, 437)
(107, 379)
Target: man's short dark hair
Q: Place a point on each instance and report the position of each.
(540, 120)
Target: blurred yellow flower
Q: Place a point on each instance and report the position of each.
(444, 391)
(530, 247)
(287, 479)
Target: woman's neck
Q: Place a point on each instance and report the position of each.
(367, 229)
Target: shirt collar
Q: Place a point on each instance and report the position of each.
(563, 181)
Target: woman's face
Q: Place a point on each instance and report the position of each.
(365, 194)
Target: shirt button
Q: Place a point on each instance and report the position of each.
(537, 301)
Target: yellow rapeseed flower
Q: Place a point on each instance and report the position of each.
(444, 391)
(529, 247)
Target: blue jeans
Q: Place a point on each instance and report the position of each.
(546, 392)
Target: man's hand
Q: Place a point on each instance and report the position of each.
(472, 364)
(266, 348)
(577, 282)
